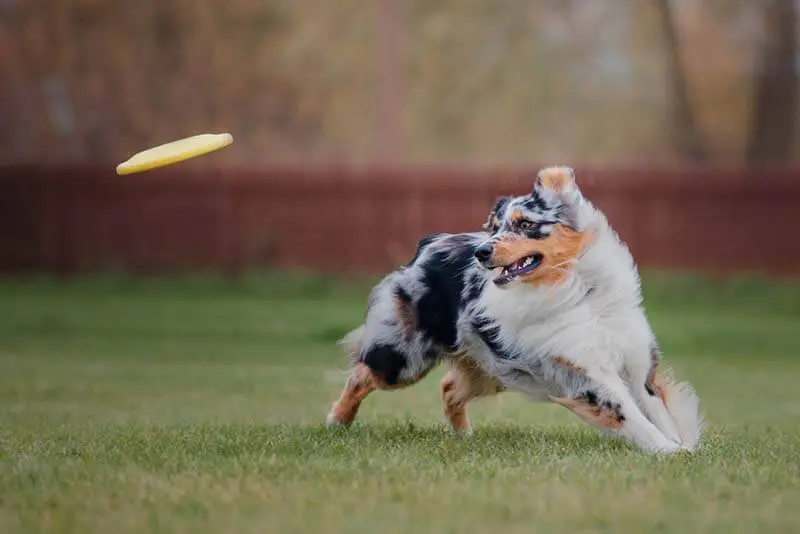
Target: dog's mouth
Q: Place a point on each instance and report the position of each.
(521, 267)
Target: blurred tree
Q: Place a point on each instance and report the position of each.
(774, 107)
(686, 135)
(488, 81)
(717, 38)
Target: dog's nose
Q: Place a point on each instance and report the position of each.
(484, 252)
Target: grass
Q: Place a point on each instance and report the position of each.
(197, 405)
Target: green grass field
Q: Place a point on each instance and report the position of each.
(198, 406)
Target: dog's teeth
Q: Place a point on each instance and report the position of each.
(527, 261)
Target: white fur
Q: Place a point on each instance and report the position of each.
(604, 331)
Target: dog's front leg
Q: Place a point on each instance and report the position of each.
(604, 401)
(465, 381)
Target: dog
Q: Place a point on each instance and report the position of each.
(549, 304)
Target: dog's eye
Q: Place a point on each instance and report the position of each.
(525, 225)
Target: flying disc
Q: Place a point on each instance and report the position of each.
(174, 152)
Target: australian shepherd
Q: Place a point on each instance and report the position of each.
(547, 302)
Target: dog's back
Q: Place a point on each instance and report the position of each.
(412, 314)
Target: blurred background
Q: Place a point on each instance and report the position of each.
(168, 339)
(371, 123)
(629, 82)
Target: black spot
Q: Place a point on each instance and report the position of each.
(617, 409)
(614, 407)
(536, 231)
(439, 305)
(386, 362)
(489, 332)
(655, 359)
(475, 285)
(496, 212)
(501, 203)
(421, 245)
(535, 202)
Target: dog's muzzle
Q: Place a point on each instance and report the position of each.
(484, 254)
(521, 267)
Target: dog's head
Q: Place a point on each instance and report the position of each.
(551, 202)
(535, 238)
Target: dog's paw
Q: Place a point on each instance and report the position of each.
(670, 448)
(462, 432)
(332, 422)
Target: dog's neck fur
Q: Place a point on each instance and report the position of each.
(604, 276)
(607, 267)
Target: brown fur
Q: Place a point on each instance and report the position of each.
(562, 246)
(360, 384)
(465, 382)
(655, 383)
(660, 386)
(492, 222)
(556, 178)
(564, 362)
(407, 317)
(592, 413)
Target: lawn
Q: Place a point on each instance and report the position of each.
(197, 405)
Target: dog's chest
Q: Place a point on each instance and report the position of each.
(581, 332)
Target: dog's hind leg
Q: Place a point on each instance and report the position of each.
(360, 383)
(465, 381)
(605, 402)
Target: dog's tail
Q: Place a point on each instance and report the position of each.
(351, 344)
(683, 406)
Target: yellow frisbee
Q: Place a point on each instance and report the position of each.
(174, 152)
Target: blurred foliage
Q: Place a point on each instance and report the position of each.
(483, 81)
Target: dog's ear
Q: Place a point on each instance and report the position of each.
(493, 221)
(557, 185)
(558, 179)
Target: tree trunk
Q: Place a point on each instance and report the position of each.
(686, 137)
(774, 106)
